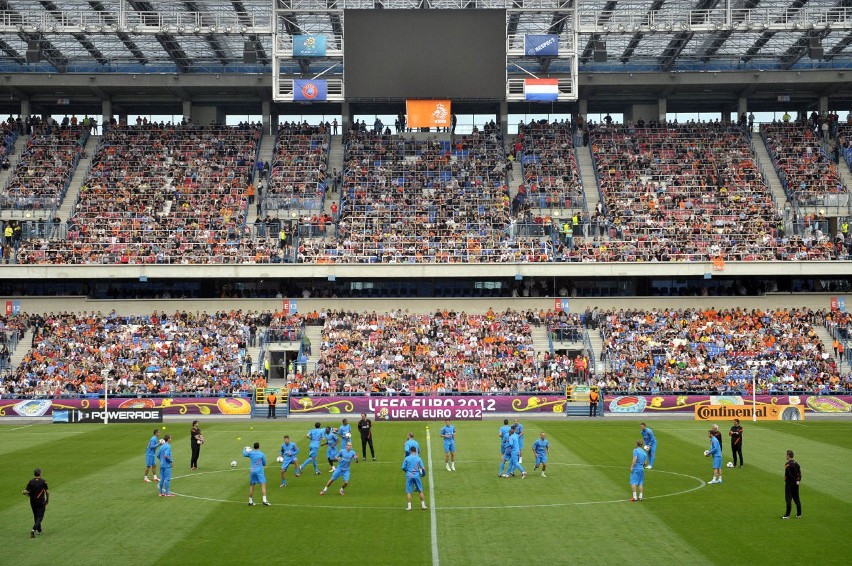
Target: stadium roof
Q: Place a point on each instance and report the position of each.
(669, 39)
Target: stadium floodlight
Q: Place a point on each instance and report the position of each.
(196, 29)
(621, 28)
(606, 27)
(243, 29)
(213, 28)
(765, 25)
(229, 29)
(668, 26)
(684, 26)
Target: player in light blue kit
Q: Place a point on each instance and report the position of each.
(505, 452)
(410, 442)
(333, 442)
(257, 476)
(651, 442)
(448, 433)
(414, 469)
(519, 430)
(541, 449)
(344, 431)
(514, 455)
(315, 436)
(637, 471)
(165, 456)
(289, 451)
(344, 461)
(715, 452)
(151, 455)
(504, 433)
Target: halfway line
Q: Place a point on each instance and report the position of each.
(432, 518)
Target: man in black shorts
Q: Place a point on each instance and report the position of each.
(365, 427)
(736, 435)
(39, 496)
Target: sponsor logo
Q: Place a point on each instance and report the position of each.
(762, 412)
(119, 415)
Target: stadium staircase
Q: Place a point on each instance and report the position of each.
(264, 152)
(20, 144)
(765, 161)
(597, 347)
(824, 335)
(335, 161)
(587, 176)
(845, 173)
(314, 334)
(541, 342)
(24, 346)
(66, 210)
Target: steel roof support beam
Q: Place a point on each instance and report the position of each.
(212, 41)
(637, 37)
(758, 44)
(54, 11)
(604, 16)
(51, 54)
(723, 36)
(167, 40)
(243, 17)
(125, 39)
(676, 45)
(8, 50)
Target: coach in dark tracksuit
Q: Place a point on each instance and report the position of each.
(39, 495)
(365, 427)
(792, 479)
(736, 434)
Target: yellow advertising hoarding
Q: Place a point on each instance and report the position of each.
(764, 412)
(428, 113)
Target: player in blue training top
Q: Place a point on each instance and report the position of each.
(344, 461)
(505, 454)
(332, 441)
(448, 433)
(519, 430)
(151, 455)
(514, 455)
(165, 456)
(344, 431)
(411, 442)
(504, 434)
(541, 449)
(650, 442)
(315, 436)
(257, 476)
(414, 469)
(715, 452)
(289, 451)
(637, 471)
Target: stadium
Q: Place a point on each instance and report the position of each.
(578, 215)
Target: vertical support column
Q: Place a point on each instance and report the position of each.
(823, 105)
(742, 106)
(345, 117)
(187, 109)
(504, 117)
(106, 113)
(662, 110)
(266, 116)
(582, 108)
(221, 116)
(26, 109)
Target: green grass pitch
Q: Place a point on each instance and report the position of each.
(101, 512)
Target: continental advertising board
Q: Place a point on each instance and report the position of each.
(765, 412)
(650, 404)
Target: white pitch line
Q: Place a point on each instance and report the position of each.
(433, 519)
(18, 428)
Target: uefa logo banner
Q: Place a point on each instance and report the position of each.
(541, 45)
(315, 90)
(309, 45)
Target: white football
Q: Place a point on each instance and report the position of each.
(646, 448)
(162, 441)
(279, 459)
(730, 464)
(247, 449)
(348, 435)
(233, 463)
(706, 452)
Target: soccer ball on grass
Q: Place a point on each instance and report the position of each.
(279, 459)
(233, 463)
(730, 464)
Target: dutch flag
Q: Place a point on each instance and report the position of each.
(541, 90)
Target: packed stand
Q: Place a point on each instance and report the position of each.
(183, 352)
(422, 201)
(717, 352)
(9, 131)
(160, 193)
(798, 153)
(299, 168)
(550, 171)
(687, 193)
(45, 166)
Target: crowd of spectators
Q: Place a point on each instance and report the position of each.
(718, 351)
(799, 154)
(45, 166)
(160, 193)
(431, 201)
(184, 352)
(689, 193)
(550, 171)
(299, 168)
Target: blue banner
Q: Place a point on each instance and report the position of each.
(541, 45)
(310, 91)
(309, 45)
